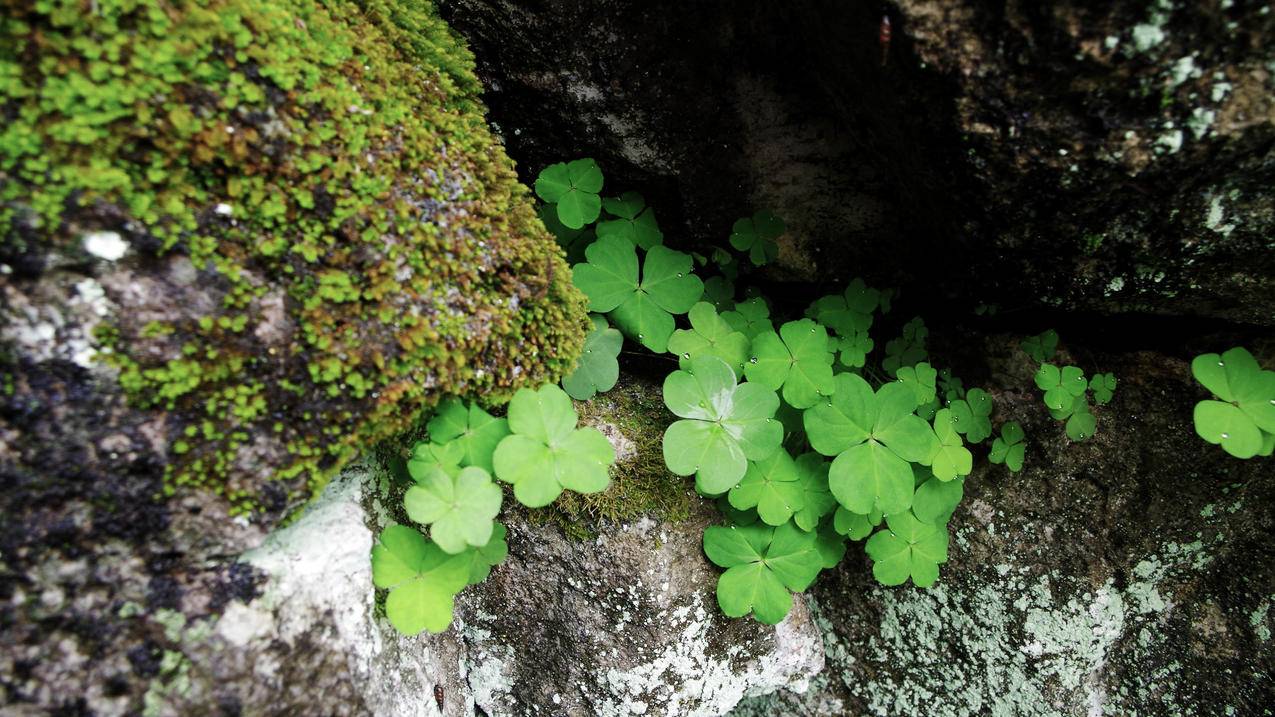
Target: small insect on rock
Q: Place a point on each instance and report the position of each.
(884, 38)
(438, 696)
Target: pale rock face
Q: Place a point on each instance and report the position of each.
(625, 624)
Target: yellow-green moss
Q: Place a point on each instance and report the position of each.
(363, 186)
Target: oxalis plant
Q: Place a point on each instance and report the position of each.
(807, 431)
(1065, 390)
(1240, 417)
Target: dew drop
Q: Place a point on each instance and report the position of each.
(639, 337)
(679, 274)
(754, 360)
(1226, 435)
(686, 355)
(812, 329)
(1219, 363)
(703, 405)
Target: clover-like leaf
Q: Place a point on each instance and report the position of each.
(636, 222)
(1009, 448)
(1061, 386)
(724, 424)
(709, 335)
(1081, 424)
(641, 309)
(762, 565)
(572, 241)
(951, 387)
(757, 236)
(459, 509)
(830, 544)
(950, 457)
(750, 317)
(482, 559)
(475, 431)
(546, 453)
(573, 187)
(817, 500)
(873, 435)
(1243, 418)
(920, 378)
(909, 548)
(908, 349)
(421, 577)
(971, 415)
(855, 526)
(1103, 386)
(772, 486)
(1041, 348)
(428, 456)
(936, 500)
(720, 292)
(597, 369)
(797, 358)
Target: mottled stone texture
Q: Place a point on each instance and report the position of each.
(1112, 157)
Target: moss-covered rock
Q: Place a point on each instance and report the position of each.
(317, 233)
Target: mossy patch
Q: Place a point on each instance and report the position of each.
(326, 168)
(641, 485)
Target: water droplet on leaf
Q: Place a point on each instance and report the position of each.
(754, 360)
(1226, 435)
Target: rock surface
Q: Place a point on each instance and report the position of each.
(1109, 158)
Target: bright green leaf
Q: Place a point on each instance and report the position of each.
(459, 509)
(709, 335)
(547, 453)
(909, 548)
(421, 577)
(475, 431)
(797, 358)
(772, 486)
(757, 236)
(597, 370)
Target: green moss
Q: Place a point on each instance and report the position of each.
(641, 485)
(347, 141)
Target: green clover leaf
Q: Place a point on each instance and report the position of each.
(642, 310)
(1242, 419)
(724, 424)
(950, 457)
(459, 509)
(1103, 386)
(762, 565)
(936, 500)
(757, 236)
(720, 292)
(816, 500)
(1041, 348)
(951, 387)
(428, 457)
(772, 486)
(597, 370)
(636, 223)
(421, 578)
(574, 187)
(709, 335)
(1061, 386)
(473, 430)
(873, 436)
(546, 453)
(971, 415)
(797, 358)
(920, 378)
(751, 317)
(908, 349)
(855, 526)
(830, 544)
(1009, 448)
(909, 548)
(482, 559)
(855, 348)
(1082, 424)
(572, 241)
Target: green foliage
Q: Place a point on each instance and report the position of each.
(936, 499)
(643, 309)
(797, 358)
(950, 458)
(757, 236)
(709, 335)
(474, 432)
(1041, 348)
(598, 370)
(573, 187)
(750, 317)
(421, 577)
(546, 453)
(720, 292)
(724, 425)
(920, 378)
(1103, 387)
(763, 564)
(873, 436)
(773, 486)
(971, 415)
(460, 508)
(1241, 415)
(816, 499)
(1010, 447)
(636, 222)
(908, 349)
(1061, 386)
(909, 548)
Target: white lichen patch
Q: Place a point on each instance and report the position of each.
(1216, 218)
(108, 246)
